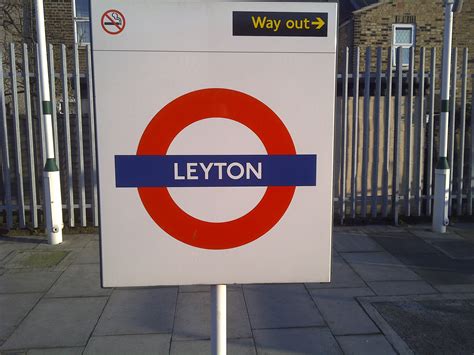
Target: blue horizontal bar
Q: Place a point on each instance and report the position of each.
(231, 170)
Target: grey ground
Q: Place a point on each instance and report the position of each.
(394, 290)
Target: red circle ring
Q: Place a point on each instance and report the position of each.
(228, 104)
(103, 26)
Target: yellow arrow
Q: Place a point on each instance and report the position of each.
(319, 23)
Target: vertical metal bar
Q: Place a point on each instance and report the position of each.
(52, 85)
(386, 133)
(40, 111)
(452, 119)
(462, 129)
(94, 205)
(366, 130)
(431, 123)
(30, 140)
(80, 146)
(408, 123)
(376, 117)
(342, 191)
(396, 135)
(20, 200)
(5, 153)
(417, 174)
(471, 157)
(355, 129)
(67, 137)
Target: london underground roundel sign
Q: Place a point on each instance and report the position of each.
(215, 133)
(151, 170)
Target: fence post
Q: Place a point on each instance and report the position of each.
(5, 154)
(462, 130)
(366, 128)
(20, 197)
(355, 128)
(396, 135)
(386, 136)
(342, 192)
(31, 150)
(429, 165)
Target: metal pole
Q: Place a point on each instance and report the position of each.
(52, 205)
(218, 320)
(442, 171)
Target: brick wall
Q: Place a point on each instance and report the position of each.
(345, 39)
(372, 27)
(59, 22)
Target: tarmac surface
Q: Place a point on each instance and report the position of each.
(394, 290)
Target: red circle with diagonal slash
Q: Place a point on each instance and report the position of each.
(109, 19)
(226, 104)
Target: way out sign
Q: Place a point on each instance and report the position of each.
(215, 142)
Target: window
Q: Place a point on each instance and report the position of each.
(81, 16)
(404, 37)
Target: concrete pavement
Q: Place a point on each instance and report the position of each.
(384, 278)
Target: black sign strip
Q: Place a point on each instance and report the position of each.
(280, 24)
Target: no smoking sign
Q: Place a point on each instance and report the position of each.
(214, 149)
(113, 22)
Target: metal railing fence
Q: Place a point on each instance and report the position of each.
(385, 136)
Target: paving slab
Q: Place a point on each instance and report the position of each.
(379, 266)
(455, 249)
(342, 312)
(70, 241)
(440, 276)
(94, 243)
(7, 249)
(281, 306)
(400, 288)
(348, 242)
(349, 229)
(141, 311)
(365, 344)
(79, 281)
(58, 322)
(37, 259)
(87, 255)
(193, 314)
(465, 230)
(129, 344)
(404, 244)
(30, 281)
(456, 288)
(296, 341)
(374, 229)
(446, 325)
(207, 288)
(203, 347)
(56, 351)
(13, 308)
(341, 276)
(426, 233)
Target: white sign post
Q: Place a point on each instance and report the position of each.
(215, 143)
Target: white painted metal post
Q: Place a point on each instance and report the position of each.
(442, 171)
(219, 320)
(52, 205)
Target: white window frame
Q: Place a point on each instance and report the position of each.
(396, 26)
(76, 20)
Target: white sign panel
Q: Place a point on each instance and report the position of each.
(215, 140)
